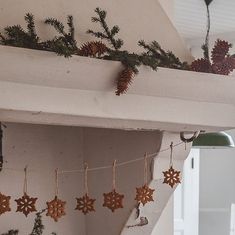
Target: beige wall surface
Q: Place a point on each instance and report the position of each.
(136, 19)
(44, 148)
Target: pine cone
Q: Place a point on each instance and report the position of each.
(92, 49)
(124, 80)
(224, 67)
(201, 65)
(220, 50)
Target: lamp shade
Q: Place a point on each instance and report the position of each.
(213, 140)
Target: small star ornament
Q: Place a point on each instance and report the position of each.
(113, 200)
(85, 204)
(26, 204)
(144, 194)
(56, 208)
(171, 177)
(4, 203)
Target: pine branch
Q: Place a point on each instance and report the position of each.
(108, 34)
(29, 18)
(16, 36)
(130, 60)
(59, 27)
(11, 232)
(148, 61)
(38, 225)
(71, 26)
(159, 57)
(65, 44)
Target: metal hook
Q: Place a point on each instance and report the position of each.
(191, 139)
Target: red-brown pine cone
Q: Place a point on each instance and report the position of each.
(225, 67)
(124, 80)
(220, 50)
(94, 48)
(201, 65)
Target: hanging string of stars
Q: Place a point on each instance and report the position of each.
(112, 200)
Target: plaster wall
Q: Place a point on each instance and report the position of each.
(165, 224)
(101, 148)
(137, 19)
(44, 148)
(169, 8)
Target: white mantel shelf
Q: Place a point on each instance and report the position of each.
(40, 87)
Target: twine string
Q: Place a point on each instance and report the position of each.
(114, 174)
(86, 178)
(145, 169)
(25, 187)
(56, 182)
(171, 156)
(140, 159)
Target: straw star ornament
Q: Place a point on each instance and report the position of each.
(26, 204)
(56, 207)
(4, 203)
(171, 176)
(85, 203)
(113, 200)
(144, 194)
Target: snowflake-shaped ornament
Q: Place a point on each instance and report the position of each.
(113, 200)
(85, 204)
(144, 194)
(4, 204)
(26, 204)
(171, 177)
(56, 208)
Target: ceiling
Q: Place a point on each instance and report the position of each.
(190, 17)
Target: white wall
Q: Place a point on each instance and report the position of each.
(217, 191)
(165, 224)
(44, 148)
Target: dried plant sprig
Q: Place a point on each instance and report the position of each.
(64, 44)
(108, 34)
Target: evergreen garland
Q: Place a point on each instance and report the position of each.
(108, 34)
(65, 44)
(11, 232)
(16, 36)
(131, 61)
(38, 226)
(159, 57)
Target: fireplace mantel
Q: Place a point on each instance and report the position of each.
(40, 87)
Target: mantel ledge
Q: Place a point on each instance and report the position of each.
(40, 87)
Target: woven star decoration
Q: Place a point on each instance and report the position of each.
(113, 200)
(4, 203)
(144, 194)
(26, 204)
(56, 208)
(171, 177)
(85, 204)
